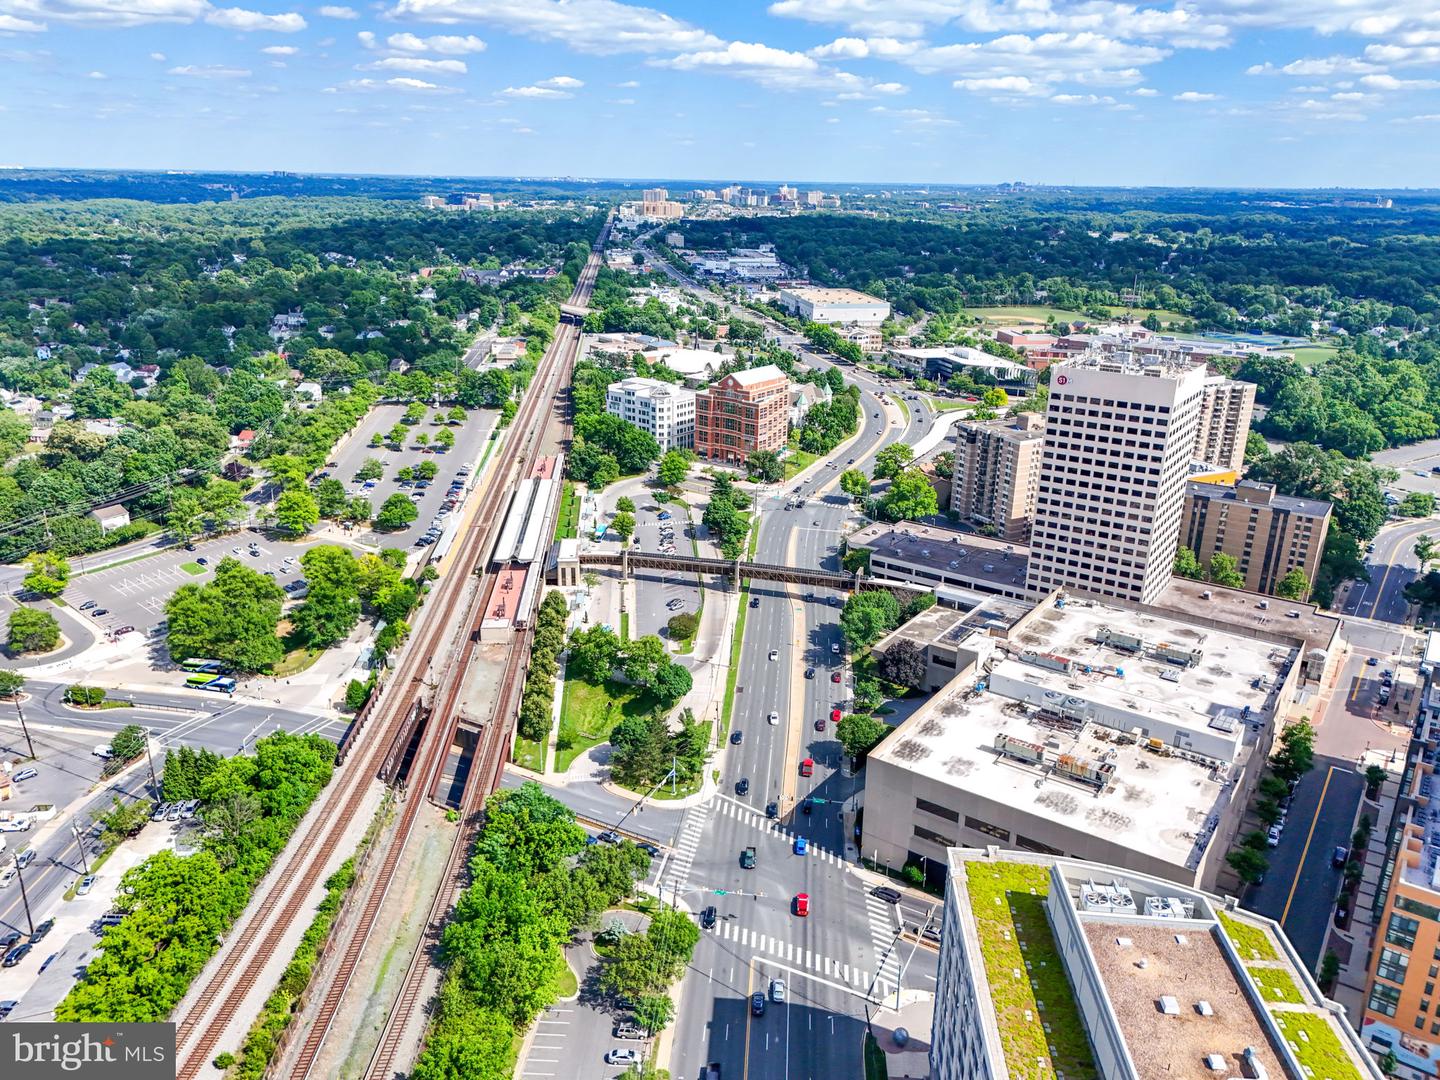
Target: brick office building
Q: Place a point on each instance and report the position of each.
(742, 413)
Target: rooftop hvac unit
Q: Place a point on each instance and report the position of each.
(1053, 661)
(1169, 1005)
(1117, 640)
(1177, 655)
(1170, 675)
(1019, 748)
(1254, 1065)
(1121, 900)
(1204, 1008)
(1094, 898)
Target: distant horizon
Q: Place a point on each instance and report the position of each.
(8, 173)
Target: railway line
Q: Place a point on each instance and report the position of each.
(452, 613)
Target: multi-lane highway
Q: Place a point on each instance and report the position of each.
(1392, 565)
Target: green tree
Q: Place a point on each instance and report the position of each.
(1293, 586)
(395, 512)
(330, 497)
(128, 743)
(11, 683)
(426, 470)
(654, 1012)
(1224, 571)
(446, 438)
(674, 467)
(995, 398)
(1418, 504)
(903, 664)
(1188, 565)
(625, 504)
(32, 631)
(1426, 550)
(672, 682)
(868, 616)
(855, 483)
(358, 510)
(859, 735)
(765, 466)
(1248, 864)
(186, 517)
(682, 627)
(48, 574)
(287, 470)
(370, 469)
(594, 653)
(296, 512)
(1296, 755)
(892, 459)
(332, 600)
(623, 525)
(911, 496)
(231, 618)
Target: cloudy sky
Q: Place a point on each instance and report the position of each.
(1274, 92)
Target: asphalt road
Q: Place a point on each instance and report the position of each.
(1392, 565)
(1301, 885)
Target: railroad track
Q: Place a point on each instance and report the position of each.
(540, 411)
(283, 904)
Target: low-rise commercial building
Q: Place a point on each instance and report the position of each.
(664, 411)
(742, 413)
(1065, 967)
(932, 556)
(835, 306)
(940, 363)
(997, 472)
(1267, 534)
(1096, 731)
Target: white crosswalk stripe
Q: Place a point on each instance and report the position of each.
(737, 811)
(825, 966)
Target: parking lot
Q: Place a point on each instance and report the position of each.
(134, 594)
(471, 438)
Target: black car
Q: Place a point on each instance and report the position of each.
(650, 849)
(15, 955)
(809, 673)
(754, 601)
(757, 1004)
(9, 939)
(41, 930)
(742, 786)
(884, 892)
(772, 810)
(736, 737)
(202, 561)
(707, 918)
(100, 612)
(805, 807)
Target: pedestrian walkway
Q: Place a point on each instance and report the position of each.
(859, 980)
(687, 842)
(729, 807)
(884, 925)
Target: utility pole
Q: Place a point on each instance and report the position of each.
(24, 897)
(154, 784)
(80, 843)
(24, 730)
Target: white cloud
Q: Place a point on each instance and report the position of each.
(97, 75)
(418, 64)
(159, 57)
(777, 69)
(249, 21)
(366, 38)
(1424, 118)
(1048, 60)
(1309, 67)
(444, 44)
(1390, 82)
(537, 92)
(1195, 95)
(335, 11)
(280, 50)
(1145, 91)
(915, 118)
(628, 84)
(561, 82)
(9, 24)
(403, 83)
(602, 27)
(1081, 99)
(879, 48)
(209, 71)
(1002, 84)
(889, 88)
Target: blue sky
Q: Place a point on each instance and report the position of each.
(1210, 92)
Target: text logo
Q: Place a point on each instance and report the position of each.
(84, 1051)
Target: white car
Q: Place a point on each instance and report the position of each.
(774, 654)
(1272, 837)
(624, 1056)
(774, 718)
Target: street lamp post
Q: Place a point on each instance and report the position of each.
(24, 730)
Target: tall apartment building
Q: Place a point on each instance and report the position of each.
(1225, 412)
(667, 412)
(997, 472)
(656, 203)
(1268, 534)
(742, 413)
(1400, 1016)
(1119, 436)
(1058, 967)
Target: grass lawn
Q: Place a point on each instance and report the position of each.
(904, 409)
(296, 661)
(565, 984)
(682, 791)
(1025, 314)
(624, 626)
(530, 755)
(192, 568)
(1165, 317)
(1250, 941)
(1315, 354)
(1316, 1046)
(1008, 902)
(587, 713)
(949, 404)
(798, 461)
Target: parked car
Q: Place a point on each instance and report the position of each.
(777, 989)
(15, 955)
(88, 604)
(624, 1056)
(25, 774)
(1272, 836)
(9, 940)
(86, 884)
(40, 931)
(1339, 857)
(7, 1007)
(629, 1031)
(99, 612)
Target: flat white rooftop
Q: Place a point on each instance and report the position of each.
(1146, 757)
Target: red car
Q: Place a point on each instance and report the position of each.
(834, 676)
(802, 904)
(834, 716)
(807, 767)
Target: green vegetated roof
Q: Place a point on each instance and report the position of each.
(1250, 941)
(1316, 1046)
(1276, 985)
(1008, 902)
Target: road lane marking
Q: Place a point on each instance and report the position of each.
(1310, 835)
